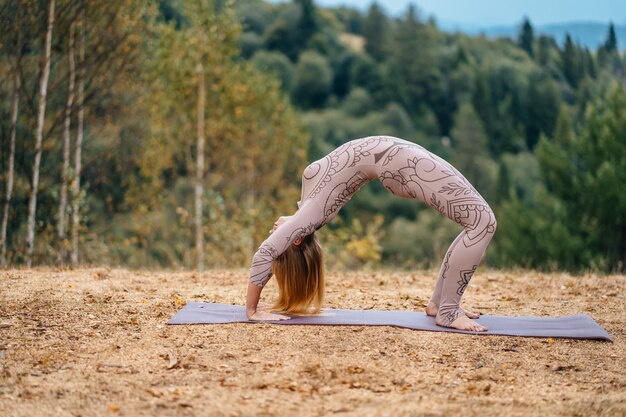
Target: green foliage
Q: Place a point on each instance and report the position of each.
(526, 38)
(276, 64)
(353, 245)
(376, 33)
(571, 64)
(542, 108)
(469, 151)
(537, 234)
(280, 35)
(586, 175)
(610, 45)
(537, 127)
(524, 173)
(415, 57)
(291, 32)
(249, 44)
(256, 16)
(419, 243)
(313, 80)
(601, 153)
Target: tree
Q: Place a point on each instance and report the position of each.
(570, 62)
(108, 48)
(555, 157)
(376, 33)
(470, 155)
(80, 131)
(542, 108)
(252, 152)
(545, 45)
(199, 186)
(307, 24)
(342, 71)
(313, 80)
(14, 114)
(586, 173)
(256, 15)
(610, 45)
(503, 186)
(293, 30)
(277, 64)
(601, 153)
(62, 221)
(526, 38)
(43, 90)
(249, 44)
(415, 57)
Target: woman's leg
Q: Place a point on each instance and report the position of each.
(462, 259)
(433, 305)
(416, 173)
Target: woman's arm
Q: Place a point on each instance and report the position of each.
(252, 301)
(285, 232)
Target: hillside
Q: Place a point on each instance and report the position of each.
(588, 34)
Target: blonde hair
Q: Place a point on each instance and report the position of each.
(299, 273)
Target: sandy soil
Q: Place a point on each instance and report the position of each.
(95, 342)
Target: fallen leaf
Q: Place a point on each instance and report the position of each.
(154, 393)
(172, 360)
(356, 370)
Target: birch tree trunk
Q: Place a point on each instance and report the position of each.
(200, 169)
(79, 141)
(43, 90)
(66, 151)
(10, 169)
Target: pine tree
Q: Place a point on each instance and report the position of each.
(526, 38)
(570, 62)
(600, 157)
(610, 45)
(555, 158)
(470, 154)
(307, 24)
(376, 33)
(542, 110)
(415, 56)
(544, 45)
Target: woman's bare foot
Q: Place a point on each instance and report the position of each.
(431, 310)
(461, 322)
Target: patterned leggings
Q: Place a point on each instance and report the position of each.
(438, 184)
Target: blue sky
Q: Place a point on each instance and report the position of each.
(483, 13)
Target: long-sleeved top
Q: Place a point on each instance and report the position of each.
(403, 167)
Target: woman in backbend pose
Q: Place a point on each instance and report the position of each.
(294, 256)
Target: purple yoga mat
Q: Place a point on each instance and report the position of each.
(578, 326)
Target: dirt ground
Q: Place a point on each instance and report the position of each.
(95, 342)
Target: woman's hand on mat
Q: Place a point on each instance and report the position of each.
(264, 315)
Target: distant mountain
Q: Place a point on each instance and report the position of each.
(589, 34)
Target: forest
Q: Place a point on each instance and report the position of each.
(172, 133)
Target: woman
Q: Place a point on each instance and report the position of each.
(406, 169)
